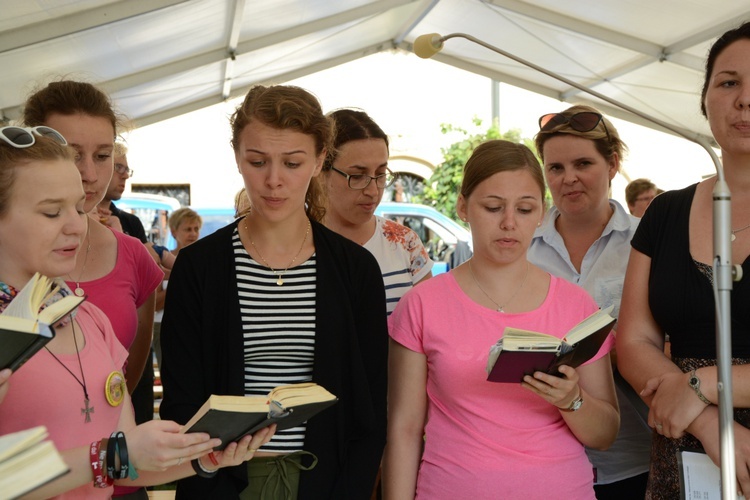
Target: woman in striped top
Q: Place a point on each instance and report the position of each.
(356, 174)
(276, 298)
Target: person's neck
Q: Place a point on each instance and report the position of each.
(104, 203)
(358, 233)
(585, 223)
(270, 233)
(737, 172)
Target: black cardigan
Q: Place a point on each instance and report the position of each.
(203, 355)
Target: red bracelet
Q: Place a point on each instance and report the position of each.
(213, 460)
(103, 461)
(100, 479)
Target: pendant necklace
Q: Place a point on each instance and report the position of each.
(499, 307)
(86, 410)
(78, 290)
(279, 274)
(735, 231)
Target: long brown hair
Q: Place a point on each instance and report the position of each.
(288, 107)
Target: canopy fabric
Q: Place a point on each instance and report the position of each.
(162, 58)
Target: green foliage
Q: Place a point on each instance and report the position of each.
(441, 191)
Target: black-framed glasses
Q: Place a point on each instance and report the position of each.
(22, 137)
(361, 181)
(123, 169)
(584, 121)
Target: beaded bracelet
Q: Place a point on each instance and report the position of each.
(202, 471)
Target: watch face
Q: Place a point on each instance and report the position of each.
(694, 382)
(576, 404)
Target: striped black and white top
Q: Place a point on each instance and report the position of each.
(278, 324)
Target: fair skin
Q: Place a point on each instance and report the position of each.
(42, 232)
(674, 406)
(92, 137)
(351, 212)
(277, 166)
(114, 192)
(578, 177)
(186, 233)
(503, 210)
(638, 208)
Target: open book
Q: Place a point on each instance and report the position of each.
(23, 328)
(28, 461)
(232, 417)
(699, 476)
(522, 352)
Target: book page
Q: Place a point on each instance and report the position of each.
(299, 394)
(516, 339)
(589, 325)
(28, 300)
(700, 478)
(11, 444)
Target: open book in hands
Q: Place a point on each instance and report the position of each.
(523, 352)
(232, 417)
(24, 329)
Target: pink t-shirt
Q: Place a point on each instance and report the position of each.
(121, 292)
(42, 392)
(485, 439)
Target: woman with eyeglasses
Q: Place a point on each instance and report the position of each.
(451, 432)
(74, 386)
(356, 174)
(669, 289)
(585, 239)
(277, 298)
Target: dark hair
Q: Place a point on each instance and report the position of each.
(352, 125)
(724, 41)
(606, 141)
(637, 187)
(495, 156)
(288, 107)
(44, 149)
(68, 97)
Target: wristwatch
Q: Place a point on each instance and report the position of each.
(695, 383)
(575, 405)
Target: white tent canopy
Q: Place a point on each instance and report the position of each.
(162, 58)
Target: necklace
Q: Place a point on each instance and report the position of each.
(499, 307)
(735, 231)
(87, 410)
(279, 274)
(79, 291)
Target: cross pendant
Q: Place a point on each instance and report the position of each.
(87, 411)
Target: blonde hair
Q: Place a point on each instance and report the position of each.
(183, 215)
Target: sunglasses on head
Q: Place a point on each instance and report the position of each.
(582, 122)
(21, 137)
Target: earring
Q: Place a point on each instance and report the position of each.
(539, 224)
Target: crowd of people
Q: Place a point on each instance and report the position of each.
(308, 285)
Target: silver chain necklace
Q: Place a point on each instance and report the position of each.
(499, 307)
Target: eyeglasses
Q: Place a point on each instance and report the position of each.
(361, 181)
(21, 137)
(123, 169)
(649, 198)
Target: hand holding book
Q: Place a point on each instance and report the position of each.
(522, 352)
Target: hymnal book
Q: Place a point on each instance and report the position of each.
(523, 352)
(232, 417)
(24, 329)
(28, 461)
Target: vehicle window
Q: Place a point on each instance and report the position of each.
(436, 238)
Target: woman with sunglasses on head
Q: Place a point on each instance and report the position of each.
(453, 434)
(356, 174)
(585, 239)
(277, 298)
(669, 290)
(74, 385)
